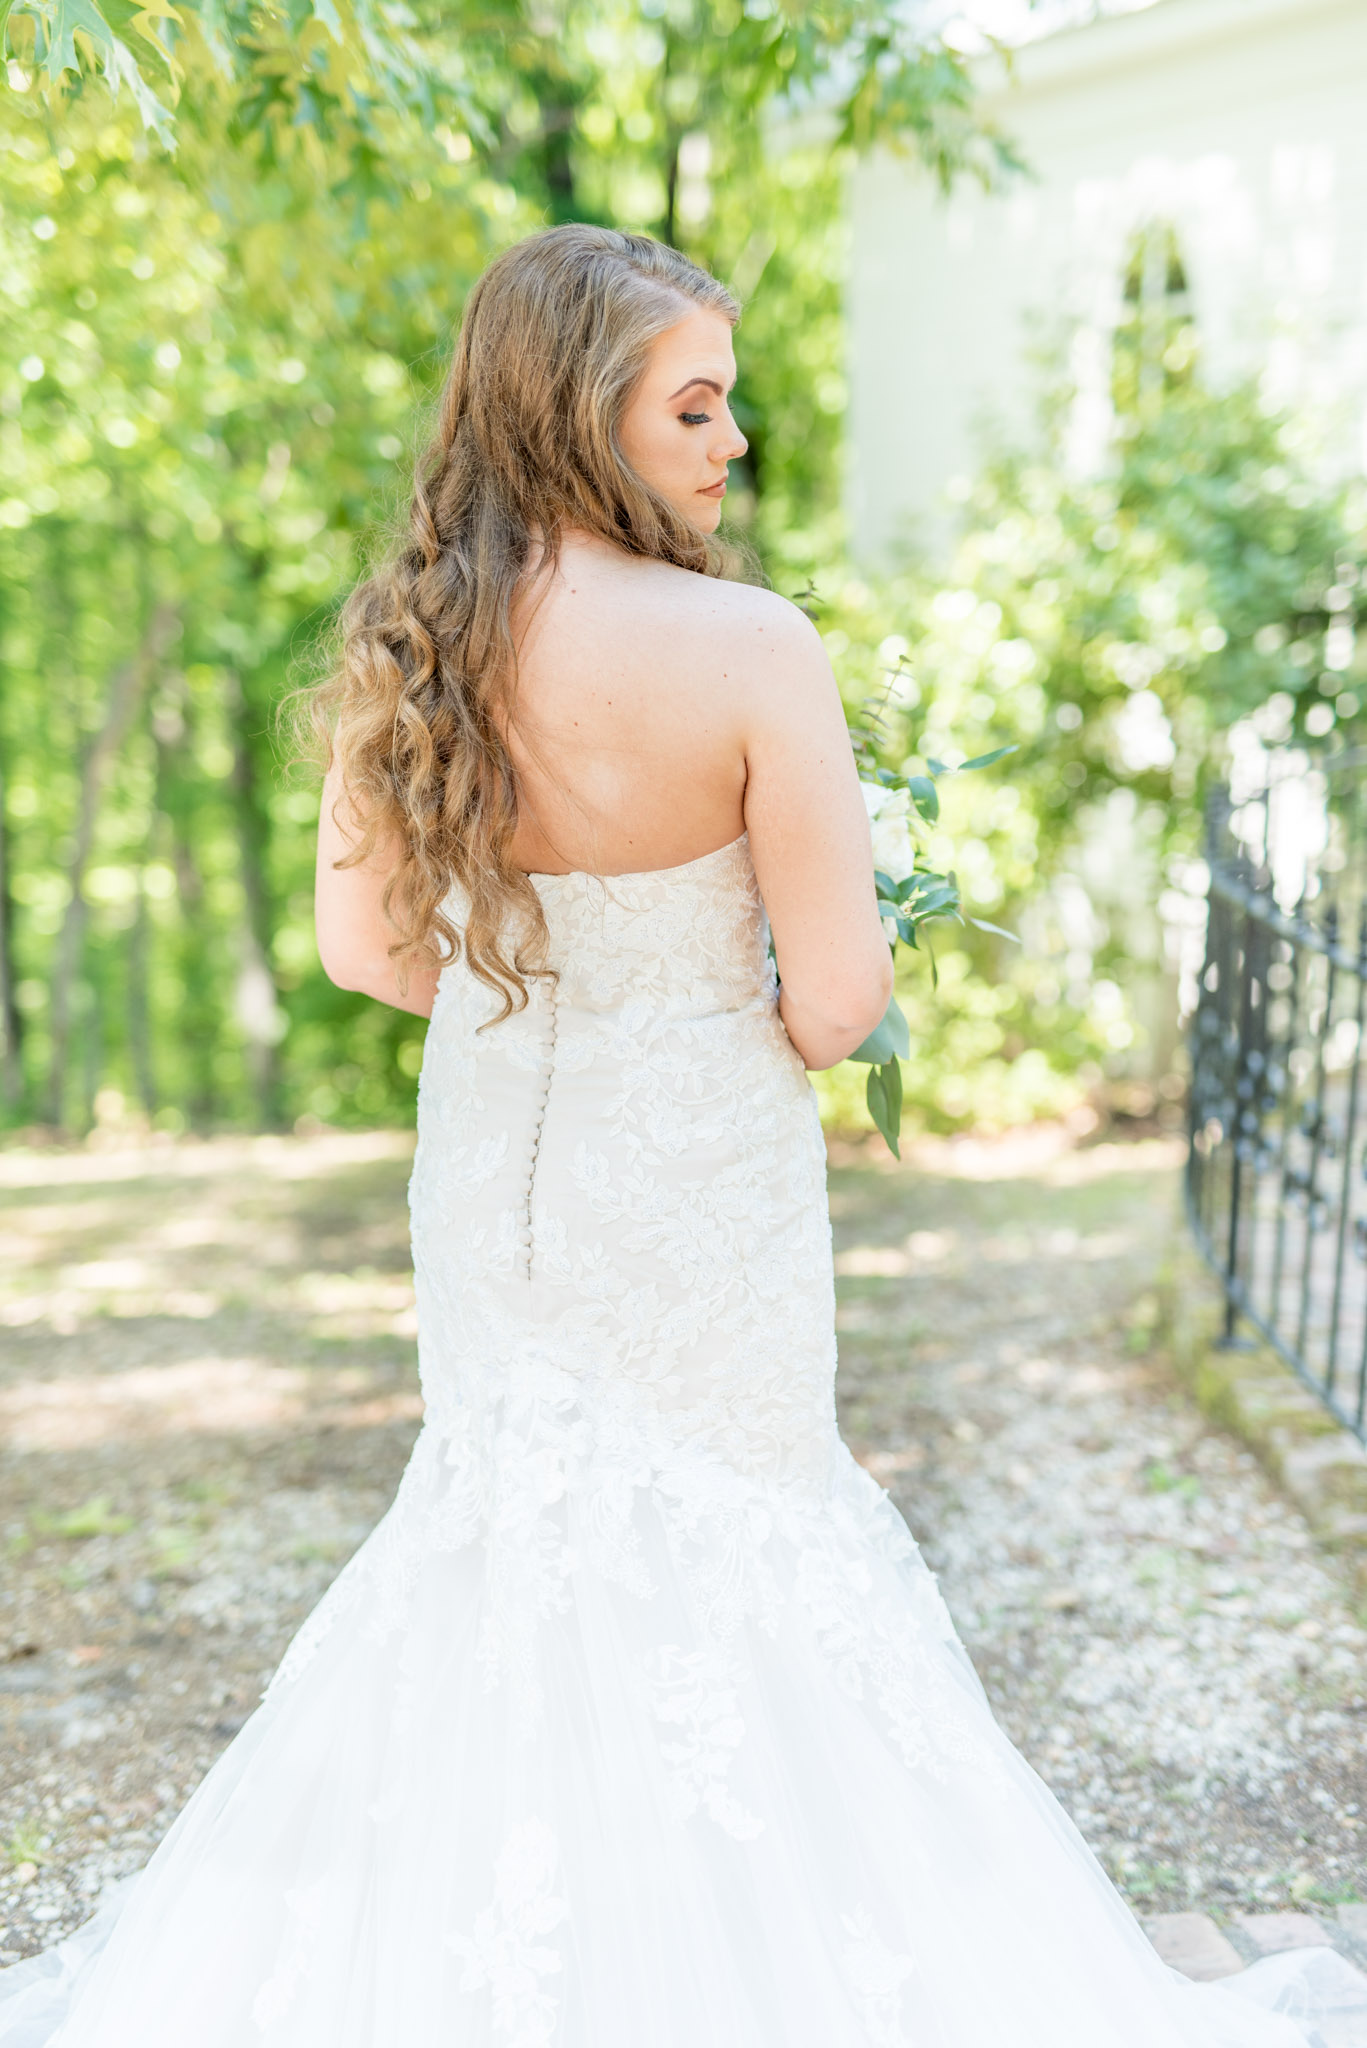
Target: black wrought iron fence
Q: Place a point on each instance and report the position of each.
(1277, 1168)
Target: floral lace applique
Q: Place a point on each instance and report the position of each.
(876, 1976)
(626, 1316)
(277, 1997)
(507, 1953)
(883, 1632)
(694, 1695)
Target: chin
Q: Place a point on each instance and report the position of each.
(706, 513)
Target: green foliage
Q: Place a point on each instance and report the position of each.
(210, 364)
(908, 904)
(328, 64)
(1114, 629)
(207, 390)
(211, 359)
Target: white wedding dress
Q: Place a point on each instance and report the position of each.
(638, 1722)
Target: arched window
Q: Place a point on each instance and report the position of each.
(1155, 339)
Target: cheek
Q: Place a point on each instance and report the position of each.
(660, 452)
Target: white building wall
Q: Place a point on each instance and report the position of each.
(1244, 122)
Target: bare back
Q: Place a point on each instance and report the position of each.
(628, 734)
(659, 715)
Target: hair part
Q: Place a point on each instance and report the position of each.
(554, 341)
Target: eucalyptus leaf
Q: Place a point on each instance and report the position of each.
(887, 1041)
(938, 902)
(883, 1093)
(986, 760)
(925, 796)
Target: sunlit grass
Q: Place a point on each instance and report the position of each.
(27, 1844)
(93, 1518)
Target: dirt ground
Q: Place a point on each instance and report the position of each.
(208, 1391)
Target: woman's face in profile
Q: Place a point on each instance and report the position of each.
(677, 431)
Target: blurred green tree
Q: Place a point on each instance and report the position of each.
(235, 239)
(1117, 627)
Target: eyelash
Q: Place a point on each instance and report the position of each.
(695, 419)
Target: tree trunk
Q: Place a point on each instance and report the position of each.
(671, 219)
(197, 981)
(11, 1023)
(558, 99)
(140, 1007)
(669, 226)
(126, 686)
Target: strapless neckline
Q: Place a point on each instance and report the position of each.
(682, 867)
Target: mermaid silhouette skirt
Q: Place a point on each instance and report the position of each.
(638, 1722)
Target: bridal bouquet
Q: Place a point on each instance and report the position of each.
(910, 894)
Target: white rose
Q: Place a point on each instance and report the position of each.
(890, 823)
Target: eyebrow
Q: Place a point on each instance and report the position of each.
(710, 382)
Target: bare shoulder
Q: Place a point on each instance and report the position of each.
(775, 660)
(736, 605)
(754, 633)
(736, 659)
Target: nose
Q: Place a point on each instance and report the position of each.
(733, 446)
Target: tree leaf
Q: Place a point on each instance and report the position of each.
(984, 926)
(139, 15)
(64, 20)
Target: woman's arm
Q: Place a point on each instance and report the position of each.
(354, 934)
(810, 842)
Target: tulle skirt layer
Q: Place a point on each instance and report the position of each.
(724, 1781)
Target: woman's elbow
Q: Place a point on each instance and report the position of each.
(342, 964)
(825, 1033)
(867, 1005)
(886, 978)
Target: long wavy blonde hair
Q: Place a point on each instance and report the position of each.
(553, 343)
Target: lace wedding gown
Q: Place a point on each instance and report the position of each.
(638, 1722)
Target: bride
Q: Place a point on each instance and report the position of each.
(638, 1722)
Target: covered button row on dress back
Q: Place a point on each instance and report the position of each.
(524, 1234)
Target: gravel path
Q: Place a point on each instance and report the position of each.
(208, 1391)
(207, 1394)
(1154, 1624)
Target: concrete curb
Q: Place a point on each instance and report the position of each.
(1257, 1398)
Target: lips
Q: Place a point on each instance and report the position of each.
(714, 490)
